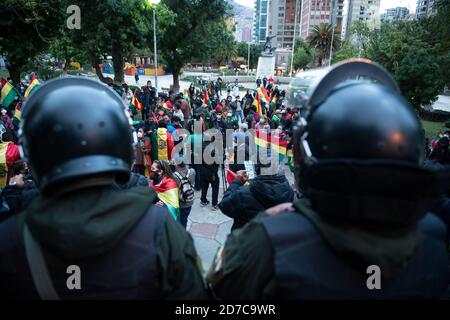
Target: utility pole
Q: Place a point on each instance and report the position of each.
(333, 20)
(248, 60)
(293, 42)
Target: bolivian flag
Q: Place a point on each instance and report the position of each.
(264, 140)
(205, 96)
(8, 93)
(18, 112)
(167, 191)
(135, 102)
(263, 96)
(257, 104)
(33, 85)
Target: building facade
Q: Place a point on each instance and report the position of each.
(424, 8)
(261, 21)
(394, 14)
(314, 13)
(367, 11)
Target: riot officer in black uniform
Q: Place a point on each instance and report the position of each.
(124, 244)
(362, 230)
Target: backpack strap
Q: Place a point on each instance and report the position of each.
(38, 267)
(179, 176)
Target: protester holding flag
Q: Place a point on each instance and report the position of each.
(135, 104)
(9, 153)
(33, 85)
(9, 93)
(164, 183)
(243, 201)
(162, 142)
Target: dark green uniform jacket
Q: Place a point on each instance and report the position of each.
(297, 254)
(98, 229)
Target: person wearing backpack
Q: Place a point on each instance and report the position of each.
(185, 178)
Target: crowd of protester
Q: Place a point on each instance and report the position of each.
(160, 127)
(172, 133)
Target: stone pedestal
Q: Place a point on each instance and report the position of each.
(266, 67)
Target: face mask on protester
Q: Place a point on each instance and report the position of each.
(140, 135)
(3, 112)
(261, 121)
(154, 176)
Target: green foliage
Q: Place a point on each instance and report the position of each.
(27, 28)
(112, 27)
(255, 53)
(410, 50)
(185, 31)
(303, 54)
(322, 38)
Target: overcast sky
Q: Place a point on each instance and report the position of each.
(410, 4)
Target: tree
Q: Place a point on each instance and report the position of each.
(303, 54)
(356, 44)
(320, 38)
(255, 53)
(112, 27)
(62, 48)
(415, 64)
(27, 29)
(222, 47)
(186, 34)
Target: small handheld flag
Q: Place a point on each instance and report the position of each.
(135, 102)
(33, 85)
(8, 93)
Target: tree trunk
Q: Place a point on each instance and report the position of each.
(176, 80)
(96, 65)
(14, 70)
(118, 63)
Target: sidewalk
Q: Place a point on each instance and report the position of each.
(210, 229)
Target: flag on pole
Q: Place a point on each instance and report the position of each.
(9, 93)
(135, 102)
(257, 104)
(230, 176)
(33, 85)
(167, 191)
(18, 112)
(263, 96)
(205, 96)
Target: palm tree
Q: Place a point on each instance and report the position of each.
(320, 39)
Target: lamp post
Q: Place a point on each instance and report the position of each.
(155, 52)
(295, 34)
(248, 60)
(333, 21)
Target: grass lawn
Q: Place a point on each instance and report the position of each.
(432, 128)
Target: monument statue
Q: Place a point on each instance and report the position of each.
(266, 63)
(268, 49)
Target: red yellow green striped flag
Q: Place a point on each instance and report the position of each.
(265, 140)
(8, 93)
(167, 191)
(257, 104)
(33, 85)
(205, 96)
(135, 102)
(18, 111)
(263, 96)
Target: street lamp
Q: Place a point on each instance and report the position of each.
(248, 60)
(333, 22)
(155, 2)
